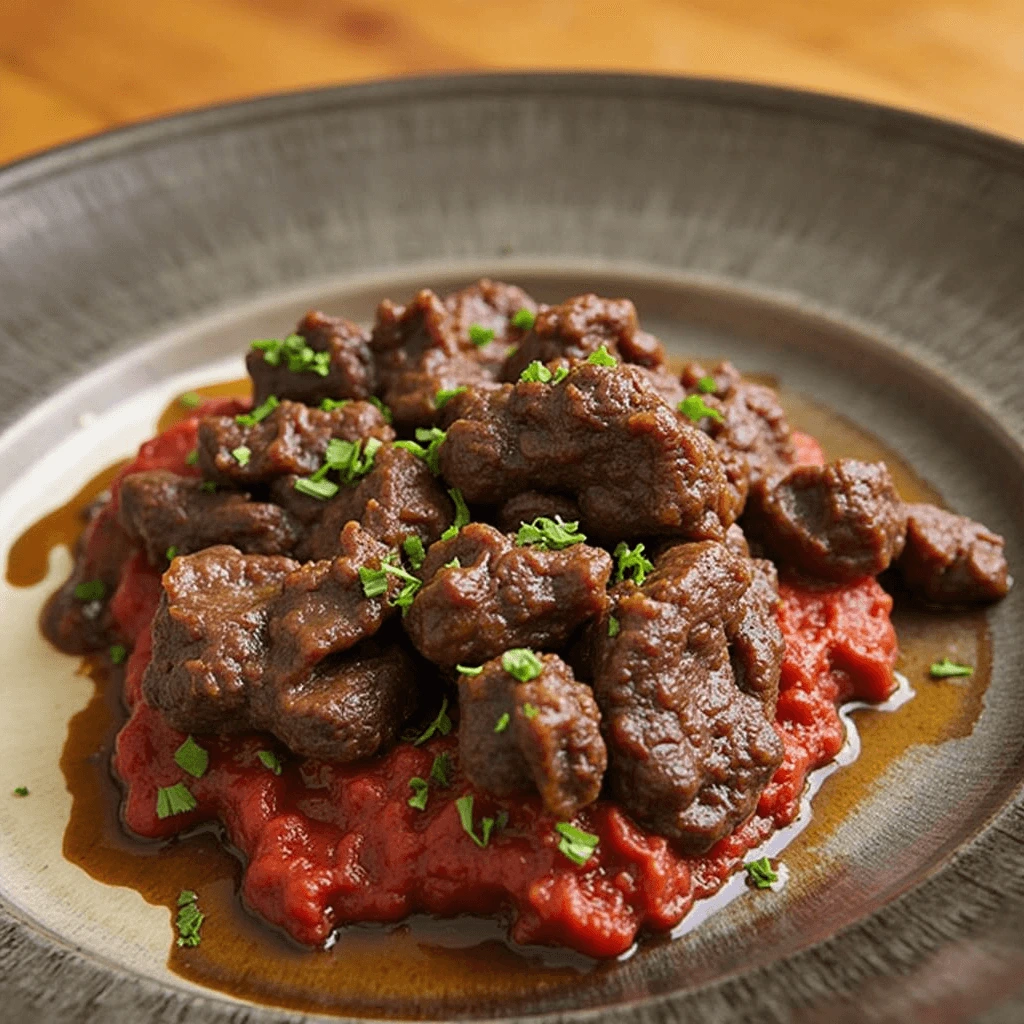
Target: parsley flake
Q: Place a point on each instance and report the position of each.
(602, 357)
(374, 581)
(171, 553)
(524, 319)
(440, 768)
(330, 404)
(192, 758)
(632, 563)
(502, 723)
(118, 653)
(321, 489)
(414, 550)
(441, 724)
(93, 590)
(242, 454)
(707, 385)
(270, 761)
(574, 843)
(469, 670)
(381, 408)
(522, 663)
(192, 459)
(530, 711)
(461, 514)
(695, 408)
(445, 395)
(259, 414)
(947, 669)
(537, 373)
(176, 799)
(190, 919)
(190, 400)
(613, 626)
(761, 873)
(420, 791)
(405, 597)
(20, 790)
(296, 353)
(208, 487)
(453, 564)
(464, 805)
(552, 534)
(480, 335)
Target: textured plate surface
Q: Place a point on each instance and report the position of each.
(869, 258)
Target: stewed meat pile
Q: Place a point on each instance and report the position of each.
(519, 506)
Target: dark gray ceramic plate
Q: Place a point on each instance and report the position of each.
(869, 258)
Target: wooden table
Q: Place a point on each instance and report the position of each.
(72, 67)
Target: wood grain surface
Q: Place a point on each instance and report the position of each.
(72, 67)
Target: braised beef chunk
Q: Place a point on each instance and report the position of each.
(753, 436)
(530, 505)
(602, 436)
(160, 510)
(952, 560)
(399, 498)
(839, 522)
(288, 371)
(292, 439)
(577, 328)
(76, 619)
(499, 595)
(543, 735)
(690, 741)
(436, 344)
(260, 642)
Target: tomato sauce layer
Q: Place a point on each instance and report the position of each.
(327, 844)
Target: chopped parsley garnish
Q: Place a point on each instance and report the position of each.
(434, 438)
(270, 761)
(93, 590)
(552, 534)
(445, 395)
(259, 414)
(502, 723)
(208, 486)
(374, 581)
(613, 626)
(322, 489)
(464, 805)
(574, 843)
(469, 670)
(530, 711)
(381, 408)
(404, 598)
(441, 724)
(118, 653)
(192, 459)
(480, 335)
(695, 408)
(350, 459)
(330, 404)
(461, 514)
(242, 454)
(21, 790)
(761, 873)
(947, 669)
(176, 799)
(524, 319)
(296, 353)
(602, 357)
(414, 550)
(171, 553)
(522, 663)
(453, 564)
(707, 385)
(192, 758)
(190, 400)
(537, 372)
(440, 768)
(631, 563)
(190, 918)
(420, 791)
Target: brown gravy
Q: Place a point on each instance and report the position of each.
(441, 965)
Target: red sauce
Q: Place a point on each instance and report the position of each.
(327, 845)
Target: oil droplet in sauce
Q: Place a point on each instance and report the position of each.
(423, 965)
